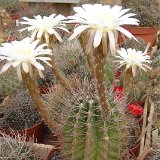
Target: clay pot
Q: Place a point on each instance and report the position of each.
(148, 34)
(9, 38)
(15, 16)
(54, 153)
(35, 132)
(135, 150)
(44, 89)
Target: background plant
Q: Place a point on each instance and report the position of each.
(16, 148)
(10, 6)
(38, 9)
(70, 58)
(19, 113)
(141, 81)
(9, 84)
(140, 44)
(147, 11)
(155, 86)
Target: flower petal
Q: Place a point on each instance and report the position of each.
(19, 73)
(112, 42)
(78, 30)
(38, 65)
(5, 67)
(39, 34)
(97, 38)
(25, 67)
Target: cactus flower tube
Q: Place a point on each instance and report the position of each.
(26, 56)
(101, 25)
(46, 29)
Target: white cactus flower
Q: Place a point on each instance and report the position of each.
(45, 26)
(23, 55)
(133, 59)
(105, 21)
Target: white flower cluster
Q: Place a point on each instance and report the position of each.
(104, 21)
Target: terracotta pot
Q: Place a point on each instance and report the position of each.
(15, 16)
(44, 89)
(9, 38)
(135, 150)
(148, 34)
(54, 153)
(35, 132)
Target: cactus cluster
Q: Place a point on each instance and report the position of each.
(9, 84)
(147, 11)
(139, 86)
(79, 119)
(141, 81)
(10, 6)
(19, 112)
(70, 59)
(16, 148)
(131, 43)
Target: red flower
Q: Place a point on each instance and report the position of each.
(118, 90)
(135, 110)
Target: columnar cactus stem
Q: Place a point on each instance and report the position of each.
(88, 53)
(55, 69)
(127, 80)
(100, 76)
(96, 60)
(33, 91)
(90, 60)
(59, 75)
(85, 138)
(89, 131)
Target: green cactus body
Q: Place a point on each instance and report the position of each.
(87, 135)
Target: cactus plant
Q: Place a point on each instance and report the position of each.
(16, 148)
(10, 6)
(138, 45)
(155, 86)
(139, 86)
(70, 59)
(19, 113)
(9, 84)
(140, 82)
(141, 8)
(86, 134)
